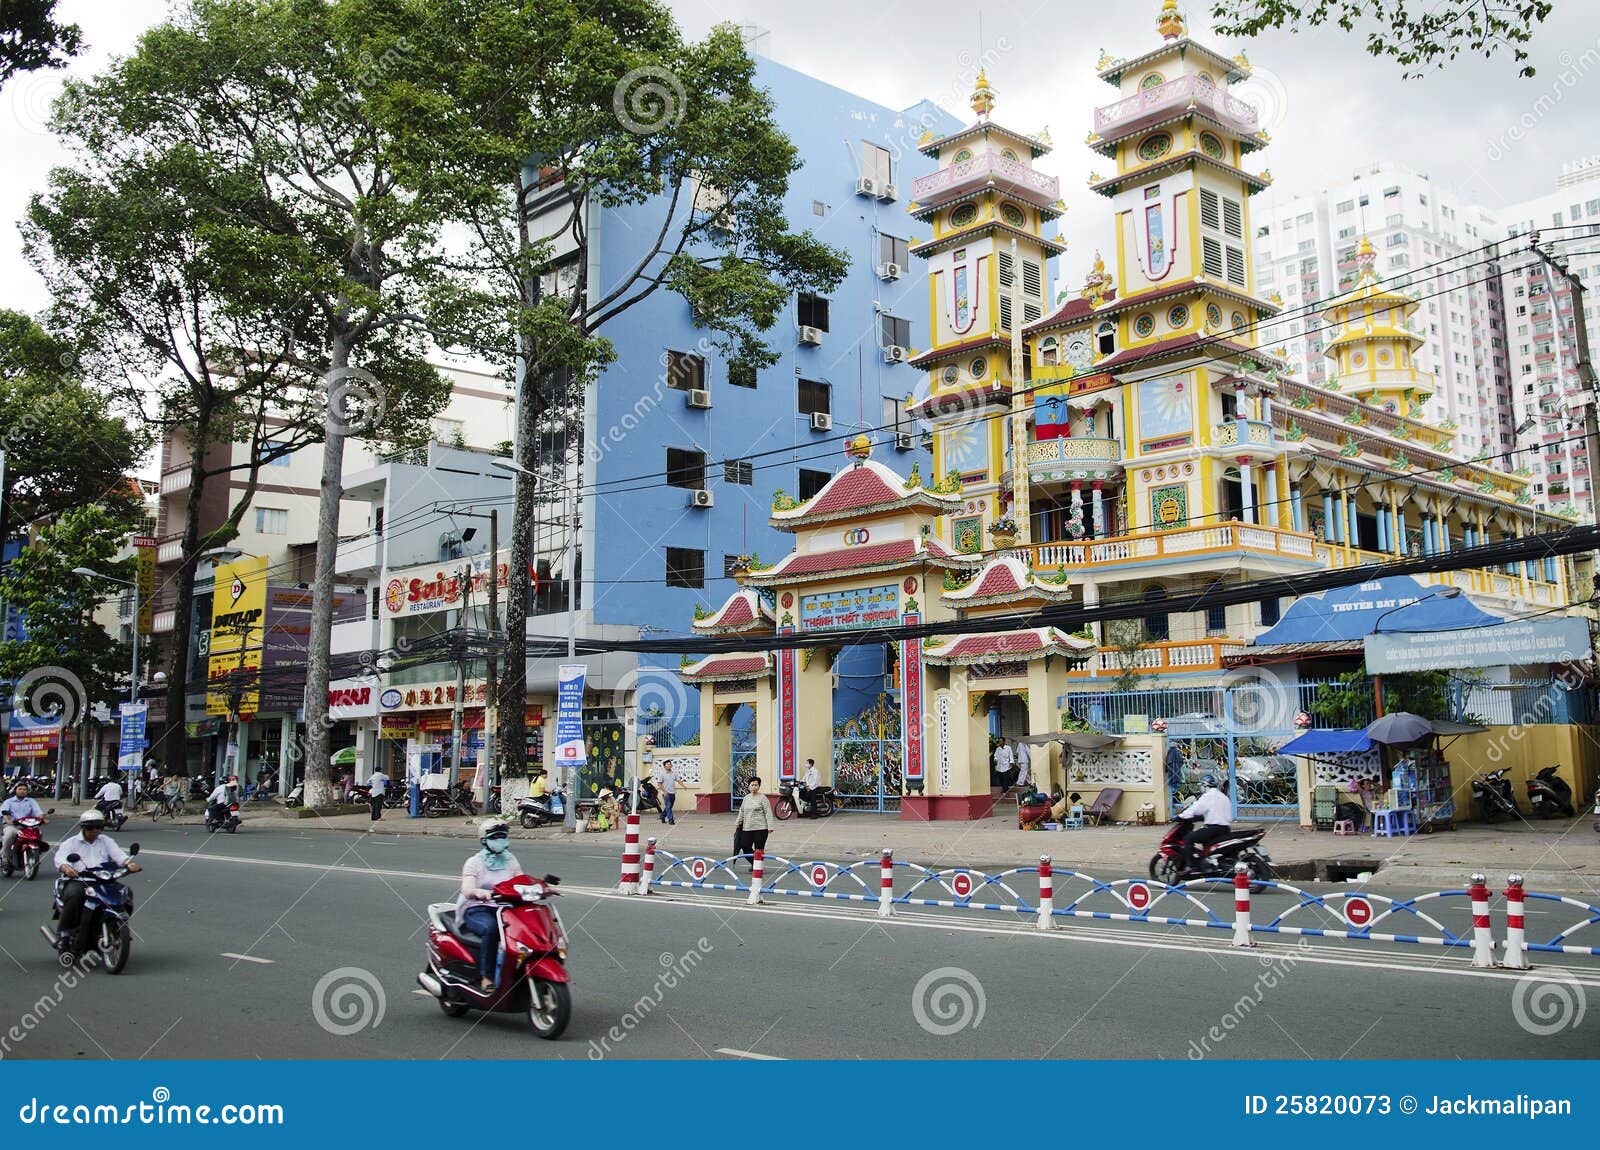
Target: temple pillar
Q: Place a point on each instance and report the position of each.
(716, 755)
(1098, 509)
(1047, 681)
(1247, 493)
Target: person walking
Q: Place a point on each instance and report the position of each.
(1003, 761)
(667, 786)
(379, 782)
(755, 820)
(1024, 760)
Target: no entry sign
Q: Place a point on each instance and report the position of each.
(1358, 912)
(698, 869)
(961, 884)
(819, 876)
(1138, 896)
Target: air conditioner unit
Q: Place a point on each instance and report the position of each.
(894, 354)
(890, 192)
(699, 397)
(904, 441)
(811, 336)
(821, 421)
(888, 271)
(701, 498)
(866, 187)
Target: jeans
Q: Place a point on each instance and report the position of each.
(73, 894)
(484, 922)
(666, 807)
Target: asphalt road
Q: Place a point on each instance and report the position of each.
(236, 934)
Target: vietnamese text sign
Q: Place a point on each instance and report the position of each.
(32, 742)
(569, 715)
(144, 549)
(130, 748)
(1528, 641)
(848, 610)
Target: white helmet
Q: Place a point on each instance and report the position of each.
(92, 818)
(493, 827)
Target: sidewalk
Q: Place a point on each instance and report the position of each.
(1561, 855)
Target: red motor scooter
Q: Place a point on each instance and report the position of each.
(533, 950)
(1213, 860)
(27, 848)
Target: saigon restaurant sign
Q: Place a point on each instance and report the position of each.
(850, 610)
(435, 587)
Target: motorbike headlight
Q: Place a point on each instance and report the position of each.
(520, 950)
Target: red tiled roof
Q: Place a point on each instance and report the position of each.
(1072, 310)
(728, 667)
(866, 487)
(1192, 342)
(743, 611)
(958, 349)
(846, 557)
(997, 579)
(1009, 644)
(1190, 287)
(855, 487)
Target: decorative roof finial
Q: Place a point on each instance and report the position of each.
(982, 96)
(1366, 258)
(1170, 22)
(1097, 285)
(859, 448)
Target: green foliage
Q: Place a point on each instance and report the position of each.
(31, 37)
(1348, 701)
(1126, 638)
(1416, 34)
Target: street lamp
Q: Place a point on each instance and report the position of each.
(568, 573)
(1377, 680)
(133, 681)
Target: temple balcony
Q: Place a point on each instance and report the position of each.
(983, 168)
(1213, 546)
(1052, 458)
(1253, 437)
(1162, 102)
(1177, 657)
(1515, 587)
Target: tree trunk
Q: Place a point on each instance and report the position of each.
(174, 754)
(319, 770)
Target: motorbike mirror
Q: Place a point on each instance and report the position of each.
(74, 857)
(552, 880)
(51, 811)
(134, 849)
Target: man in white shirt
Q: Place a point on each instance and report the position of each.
(18, 806)
(1024, 760)
(94, 848)
(220, 801)
(108, 796)
(808, 788)
(1215, 812)
(379, 782)
(667, 787)
(1003, 761)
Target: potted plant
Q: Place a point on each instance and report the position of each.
(1003, 531)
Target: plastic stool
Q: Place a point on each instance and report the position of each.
(1344, 827)
(1393, 823)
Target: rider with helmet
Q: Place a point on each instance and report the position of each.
(93, 849)
(1214, 811)
(475, 909)
(220, 801)
(18, 806)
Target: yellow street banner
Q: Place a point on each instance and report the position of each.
(238, 608)
(144, 547)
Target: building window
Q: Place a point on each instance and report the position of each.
(895, 332)
(272, 521)
(812, 482)
(686, 567)
(1157, 628)
(377, 598)
(894, 414)
(730, 564)
(686, 468)
(813, 311)
(739, 471)
(272, 451)
(894, 250)
(877, 164)
(685, 371)
(1106, 338)
(1222, 237)
(1216, 620)
(449, 431)
(741, 374)
(814, 398)
(1269, 612)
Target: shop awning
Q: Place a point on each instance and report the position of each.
(1330, 741)
(1350, 614)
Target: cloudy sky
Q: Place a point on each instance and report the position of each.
(1475, 127)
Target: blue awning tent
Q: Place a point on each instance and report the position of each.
(1350, 614)
(1331, 741)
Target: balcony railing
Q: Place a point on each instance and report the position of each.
(1181, 543)
(978, 171)
(1242, 433)
(1054, 454)
(1477, 580)
(1163, 100)
(1177, 657)
(175, 480)
(170, 549)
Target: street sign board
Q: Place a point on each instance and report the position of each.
(569, 715)
(1526, 641)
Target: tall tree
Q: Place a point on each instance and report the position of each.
(32, 38)
(1416, 34)
(174, 240)
(533, 112)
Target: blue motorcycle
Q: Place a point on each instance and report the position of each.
(107, 906)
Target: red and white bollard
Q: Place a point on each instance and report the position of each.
(1482, 936)
(755, 879)
(1241, 906)
(630, 858)
(649, 866)
(1047, 894)
(885, 883)
(1516, 929)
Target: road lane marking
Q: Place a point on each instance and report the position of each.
(751, 1054)
(1101, 936)
(248, 958)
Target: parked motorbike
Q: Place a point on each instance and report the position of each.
(297, 797)
(228, 820)
(27, 848)
(649, 798)
(538, 811)
(1493, 796)
(437, 801)
(1549, 795)
(465, 801)
(789, 804)
(107, 906)
(1213, 860)
(532, 968)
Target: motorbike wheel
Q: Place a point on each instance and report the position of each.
(115, 946)
(824, 807)
(550, 1009)
(528, 822)
(783, 809)
(6, 868)
(30, 865)
(1164, 870)
(1260, 870)
(233, 828)
(452, 1009)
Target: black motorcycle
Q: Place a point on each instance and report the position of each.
(649, 799)
(1493, 796)
(1211, 860)
(1549, 795)
(820, 805)
(222, 817)
(107, 906)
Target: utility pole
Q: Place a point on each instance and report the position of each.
(491, 714)
(459, 642)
